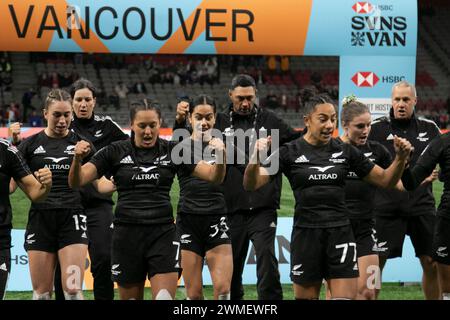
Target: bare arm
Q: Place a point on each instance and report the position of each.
(38, 186)
(214, 173)
(104, 186)
(255, 176)
(12, 186)
(389, 178)
(81, 175)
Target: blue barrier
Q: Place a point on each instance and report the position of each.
(405, 269)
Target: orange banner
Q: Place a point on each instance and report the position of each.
(229, 27)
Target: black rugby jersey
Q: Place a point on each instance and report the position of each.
(437, 152)
(317, 175)
(419, 132)
(196, 195)
(100, 131)
(359, 195)
(56, 154)
(235, 196)
(11, 165)
(143, 178)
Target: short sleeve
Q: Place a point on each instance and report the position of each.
(358, 161)
(17, 166)
(103, 159)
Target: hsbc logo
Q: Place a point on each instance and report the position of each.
(362, 7)
(365, 79)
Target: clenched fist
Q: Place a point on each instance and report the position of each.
(217, 144)
(182, 111)
(44, 176)
(402, 147)
(82, 149)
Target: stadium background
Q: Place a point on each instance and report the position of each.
(284, 82)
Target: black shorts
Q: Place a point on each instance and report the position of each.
(441, 243)
(322, 253)
(53, 229)
(200, 233)
(365, 236)
(391, 233)
(141, 251)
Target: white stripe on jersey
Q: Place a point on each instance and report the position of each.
(5, 142)
(104, 118)
(429, 121)
(9, 146)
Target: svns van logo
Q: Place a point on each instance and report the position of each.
(365, 79)
(372, 28)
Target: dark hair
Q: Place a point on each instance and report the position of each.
(202, 99)
(314, 101)
(242, 80)
(143, 105)
(83, 84)
(351, 110)
(57, 95)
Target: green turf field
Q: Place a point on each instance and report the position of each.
(390, 291)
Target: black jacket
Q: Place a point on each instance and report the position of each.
(419, 132)
(100, 131)
(235, 196)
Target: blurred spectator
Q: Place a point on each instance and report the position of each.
(272, 100)
(65, 80)
(121, 90)
(114, 100)
(6, 81)
(35, 120)
(272, 64)
(5, 65)
(316, 79)
(100, 98)
(211, 70)
(260, 77)
(298, 101)
(44, 80)
(139, 88)
(26, 102)
(285, 64)
(54, 78)
(154, 76)
(284, 101)
(13, 113)
(149, 64)
(78, 58)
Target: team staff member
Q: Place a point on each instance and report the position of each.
(36, 187)
(322, 244)
(100, 131)
(56, 228)
(202, 223)
(437, 152)
(144, 236)
(413, 213)
(252, 215)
